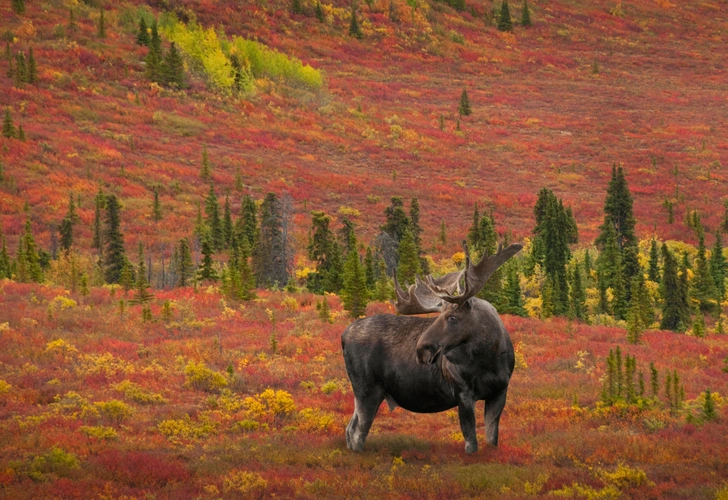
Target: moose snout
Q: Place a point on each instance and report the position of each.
(426, 354)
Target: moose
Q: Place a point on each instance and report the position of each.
(433, 364)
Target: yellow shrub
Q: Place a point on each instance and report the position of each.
(349, 212)
(200, 377)
(316, 420)
(61, 303)
(136, 394)
(270, 405)
(100, 432)
(329, 387)
(61, 347)
(102, 364)
(625, 477)
(185, 428)
(5, 387)
(115, 411)
(290, 303)
(244, 482)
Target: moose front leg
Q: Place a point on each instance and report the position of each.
(466, 413)
(493, 410)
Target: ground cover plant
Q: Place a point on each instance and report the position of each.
(196, 199)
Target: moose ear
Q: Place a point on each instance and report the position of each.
(467, 305)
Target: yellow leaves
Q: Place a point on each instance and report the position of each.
(135, 393)
(114, 411)
(244, 482)
(61, 303)
(100, 432)
(200, 377)
(348, 211)
(61, 347)
(625, 476)
(520, 358)
(313, 419)
(4, 387)
(290, 304)
(270, 405)
(185, 428)
(102, 364)
(458, 258)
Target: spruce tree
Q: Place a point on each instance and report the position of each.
(8, 127)
(143, 295)
(66, 231)
(325, 251)
(28, 268)
(271, 256)
(354, 293)
(504, 18)
(296, 7)
(525, 15)
(206, 169)
(213, 221)
(153, 64)
(577, 295)
(97, 240)
(21, 70)
(143, 33)
(18, 6)
(319, 12)
(397, 222)
(155, 42)
(703, 284)
(101, 26)
(246, 226)
(227, 223)
(383, 288)
(409, 262)
(114, 254)
(172, 70)
(10, 72)
(370, 271)
(718, 267)
(245, 273)
(32, 76)
(5, 267)
(21, 133)
(347, 235)
(724, 223)
(354, 29)
(675, 309)
(512, 302)
(206, 270)
(184, 267)
(443, 232)
(72, 26)
(709, 412)
(156, 207)
(464, 107)
(653, 270)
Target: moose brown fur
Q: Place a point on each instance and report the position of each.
(429, 365)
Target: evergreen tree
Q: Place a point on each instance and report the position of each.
(21, 133)
(512, 296)
(296, 7)
(143, 33)
(718, 267)
(396, 222)
(699, 328)
(653, 271)
(640, 314)
(383, 288)
(18, 6)
(354, 293)
(115, 255)
(172, 70)
(347, 235)
(156, 207)
(32, 76)
(271, 258)
(474, 237)
(245, 273)
(66, 230)
(577, 295)
(21, 70)
(28, 266)
(703, 284)
(443, 232)
(72, 26)
(319, 12)
(8, 127)
(369, 269)
(5, 267)
(227, 223)
(525, 15)
(675, 308)
(153, 64)
(409, 262)
(183, 265)
(464, 107)
(246, 226)
(214, 223)
(97, 240)
(10, 72)
(620, 302)
(709, 412)
(724, 223)
(143, 295)
(354, 29)
(504, 18)
(325, 251)
(417, 233)
(206, 170)
(206, 270)
(155, 42)
(101, 26)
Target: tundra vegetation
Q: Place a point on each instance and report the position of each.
(195, 202)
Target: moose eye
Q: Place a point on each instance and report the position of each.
(452, 319)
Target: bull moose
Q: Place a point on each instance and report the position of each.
(432, 364)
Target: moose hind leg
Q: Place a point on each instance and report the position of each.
(366, 408)
(493, 410)
(466, 414)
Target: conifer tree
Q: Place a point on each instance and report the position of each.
(354, 293)
(512, 302)
(396, 220)
(347, 235)
(155, 42)
(409, 262)
(354, 29)
(21, 133)
(206, 170)
(156, 207)
(143, 33)
(5, 267)
(577, 295)
(699, 328)
(724, 223)
(246, 226)
(675, 308)
(709, 412)
(319, 12)
(443, 232)
(32, 68)
(28, 267)
(10, 72)
(21, 70)
(416, 229)
(296, 7)
(504, 18)
(97, 240)
(206, 270)
(383, 288)
(214, 223)
(183, 265)
(227, 223)
(8, 127)
(18, 6)
(172, 70)
(325, 251)
(718, 267)
(369, 269)
(101, 26)
(271, 256)
(153, 64)
(72, 26)
(245, 273)
(525, 15)
(703, 284)
(114, 255)
(143, 295)
(66, 230)
(620, 302)
(464, 107)
(653, 271)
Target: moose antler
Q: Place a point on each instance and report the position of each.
(419, 297)
(475, 275)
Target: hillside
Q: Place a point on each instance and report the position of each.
(541, 115)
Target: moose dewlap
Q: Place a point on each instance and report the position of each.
(432, 364)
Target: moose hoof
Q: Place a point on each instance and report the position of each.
(471, 448)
